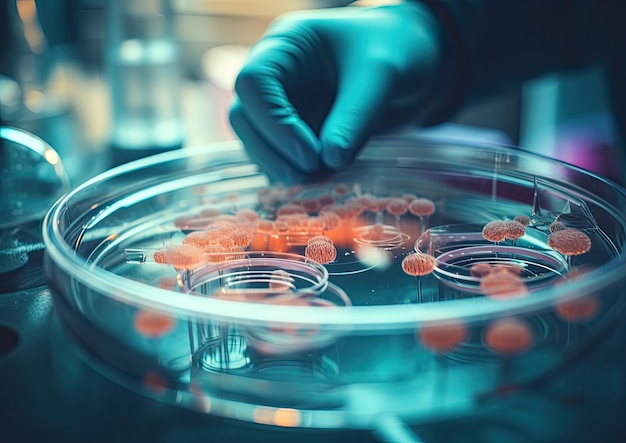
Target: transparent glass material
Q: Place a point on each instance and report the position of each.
(272, 330)
(32, 177)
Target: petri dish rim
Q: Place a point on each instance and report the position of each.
(378, 317)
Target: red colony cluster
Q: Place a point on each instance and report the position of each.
(497, 231)
(419, 264)
(569, 241)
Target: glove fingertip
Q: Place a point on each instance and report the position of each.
(337, 153)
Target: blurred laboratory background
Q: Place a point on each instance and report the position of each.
(105, 82)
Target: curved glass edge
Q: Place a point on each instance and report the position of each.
(381, 318)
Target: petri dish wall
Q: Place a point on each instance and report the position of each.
(427, 282)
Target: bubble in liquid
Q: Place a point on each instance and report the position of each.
(494, 231)
(321, 252)
(443, 337)
(397, 206)
(513, 229)
(422, 207)
(479, 270)
(569, 241)
(418, 264)
(503, 284)
(508, 336)
(523, 219)
(557, 226)
(153, 324)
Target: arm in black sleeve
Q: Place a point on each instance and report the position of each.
(500, 43)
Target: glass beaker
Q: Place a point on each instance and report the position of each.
(144, 73)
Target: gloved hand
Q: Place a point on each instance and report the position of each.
(319, 83)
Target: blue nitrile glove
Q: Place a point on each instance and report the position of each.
(319, 83)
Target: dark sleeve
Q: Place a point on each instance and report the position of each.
(500, 43)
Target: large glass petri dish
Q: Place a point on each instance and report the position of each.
(428, 281)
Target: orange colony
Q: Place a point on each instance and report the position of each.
(422, 207)
(442, 337)
(247, 215)
(280, 280)
(154, 382)
(331, 219)
(210, 212)
(321, 251)
(153, 324)
(578, 309)
(479, 270)
(181, 256)
(513, 229)
(325, 200)
(503, 284)
(397, 206)
(510, 267)
(225, 220)
(201, 239)
(523, 219)
(160, 256)
(569, 241)
(374, 233)
(419, 264)
(241, 238)
(317, 238)
(341, 189)
(316, 224)
(557, 226)
(408, 197)
(290, 209)
(380, 204)
(494, 231)
(508, 336)
(309, 205)
(368, 202)
(265, 227)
